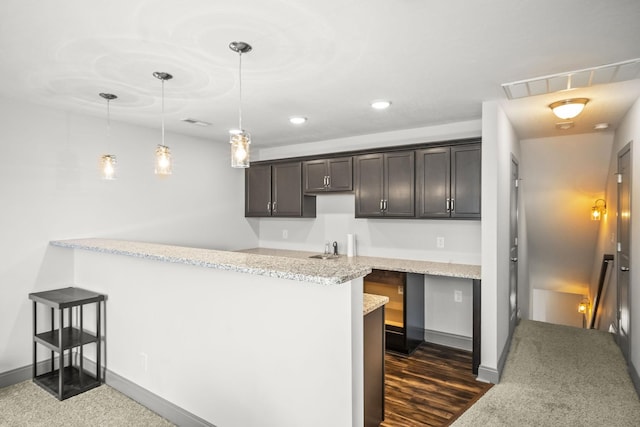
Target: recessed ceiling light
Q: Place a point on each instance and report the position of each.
(297, 120)
(564, 125)
(380, 104)
(601, 126)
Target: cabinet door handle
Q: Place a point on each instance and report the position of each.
(381, 205)
(269, 207)
(328, 181)
(448, 205)
(453, 205)
(275, 208)
(385, 205)
(624, 268)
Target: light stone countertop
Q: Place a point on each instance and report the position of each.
(465, 271)
(300, 268)
(372, 302)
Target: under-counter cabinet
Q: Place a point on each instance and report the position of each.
(328, 175)
(384, 185)
(404, 313)
(67, 379)
(275, 189)
(448, 182)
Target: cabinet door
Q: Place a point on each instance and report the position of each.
(314, 173)
(340, 172)
(433, 182)
(465, 181)
(399, 184)
(369, 183)
(257, 190)
(287, 189)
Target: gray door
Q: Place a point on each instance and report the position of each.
(513, 251)
(624, 240)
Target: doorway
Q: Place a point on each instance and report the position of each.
(513, 246)
(624, 240)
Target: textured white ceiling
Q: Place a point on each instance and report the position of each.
(437, 61)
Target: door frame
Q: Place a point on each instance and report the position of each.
(623, 342)
(513, 242)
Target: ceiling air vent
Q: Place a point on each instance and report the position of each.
(196, 122)
(610, 73)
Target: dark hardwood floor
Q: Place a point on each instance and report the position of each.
(431, 387)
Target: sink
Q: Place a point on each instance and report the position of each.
(324, 256)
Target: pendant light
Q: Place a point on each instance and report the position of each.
(240, 139)
(108, 161)
(163, 154)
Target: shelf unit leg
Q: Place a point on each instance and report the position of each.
(35, 332)
(98, 342)
(53, 327)
(61, 362)
(81, 346)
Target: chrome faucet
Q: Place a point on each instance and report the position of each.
(335, 248)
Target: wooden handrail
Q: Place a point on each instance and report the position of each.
(606, 260)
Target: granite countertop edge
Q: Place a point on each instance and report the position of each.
(434, 268)
(304, 270)
(371, 302)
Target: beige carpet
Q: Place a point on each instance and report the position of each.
(26, 404)
(559, 376)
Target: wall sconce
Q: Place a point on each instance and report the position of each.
(568, 108)
(583, 308)
(598, 210)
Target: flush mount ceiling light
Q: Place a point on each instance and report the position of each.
(163, 154)
(568, 108)
(297, 120)
(601, 126)
(380, 104)
(240, 139)
(108, 161)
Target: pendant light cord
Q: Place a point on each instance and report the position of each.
(240, 85)
(162, 111)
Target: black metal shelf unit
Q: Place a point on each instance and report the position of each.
(67, 379)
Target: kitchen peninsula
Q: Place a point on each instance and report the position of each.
(235, 339)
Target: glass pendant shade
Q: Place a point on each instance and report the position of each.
(568, 108)
(108, 166)
(163, 160)
(240, 156)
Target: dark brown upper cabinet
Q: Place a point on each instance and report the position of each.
(448, 182)
(385, 184)
(275, 189)
(326, 175)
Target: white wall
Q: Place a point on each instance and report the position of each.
(499, 143)
(393, 238)
(51, 189)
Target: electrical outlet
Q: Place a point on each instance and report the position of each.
(400, 290)
(440, 242)
(457, 296)
(285, 234)
(143, 361)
